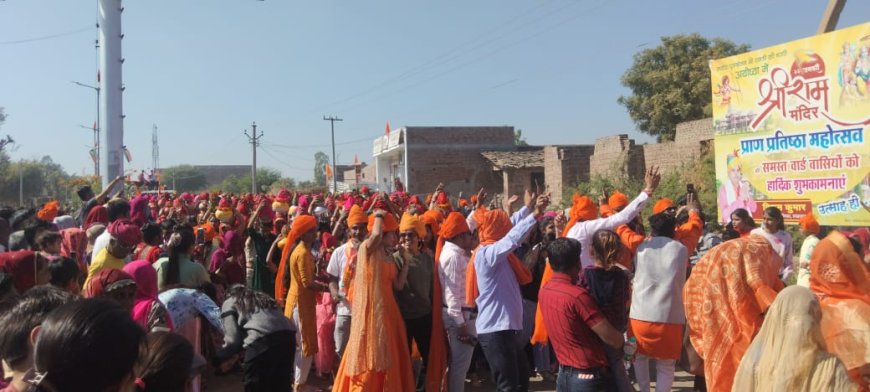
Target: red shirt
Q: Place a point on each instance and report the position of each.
(569, 313)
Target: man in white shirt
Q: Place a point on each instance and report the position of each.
(452, 263)
(356, 222)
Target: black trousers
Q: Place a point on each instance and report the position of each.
(420, 330)
(507, 360)
(268, 363)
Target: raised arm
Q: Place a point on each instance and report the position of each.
(515, 236)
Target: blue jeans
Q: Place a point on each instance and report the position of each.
(577, 380)
(507, 362)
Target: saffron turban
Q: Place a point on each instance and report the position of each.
(125, 232)
(48, 211)
(662, 205)
(412, 223)
(433, 219)
(809, 224)
(356, 216)
(301, 225)
(389, 224)
(617, 200)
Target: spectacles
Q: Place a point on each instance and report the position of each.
(409, 234)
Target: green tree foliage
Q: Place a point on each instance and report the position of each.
(699, 172)
(670, 83)
(321, 160)
(40, 180)
(242, 184)
(184, 178)
(519, 140)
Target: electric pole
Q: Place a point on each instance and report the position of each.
(155, 157)
(254, 140)
(332, 120)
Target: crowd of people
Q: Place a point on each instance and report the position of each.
(402, 292)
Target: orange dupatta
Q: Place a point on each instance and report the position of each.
(725, 299)
(842, 282)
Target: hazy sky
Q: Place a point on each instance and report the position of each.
(203, 70)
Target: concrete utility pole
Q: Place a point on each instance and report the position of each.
(254, 140)
(112, 88)
(831, 16)
(332, 120)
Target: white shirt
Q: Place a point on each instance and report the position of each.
(453, 262)
(335, 268)
(583, 231)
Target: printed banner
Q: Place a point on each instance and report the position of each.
(790, 125)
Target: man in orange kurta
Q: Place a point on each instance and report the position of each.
(301, 299)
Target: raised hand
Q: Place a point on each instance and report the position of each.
(651, 180)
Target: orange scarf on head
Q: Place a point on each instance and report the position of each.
(301, 225)
(494, 226)
(842, 282)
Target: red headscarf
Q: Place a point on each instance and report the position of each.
(97, 215)
(107, 280)
(22, 265)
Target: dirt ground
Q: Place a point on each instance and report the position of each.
(233, 382)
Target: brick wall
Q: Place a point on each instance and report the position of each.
(451, 155)
(617, 153)
(694, 131)
(566, 166)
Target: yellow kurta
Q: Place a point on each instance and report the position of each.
(301, 278)
(102, 260)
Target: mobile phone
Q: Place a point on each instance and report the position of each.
(690, 188)
(200, 235)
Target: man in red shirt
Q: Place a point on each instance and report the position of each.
(575, 325)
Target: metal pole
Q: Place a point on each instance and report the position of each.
(20, 184)
(254, 163)
(332, 120)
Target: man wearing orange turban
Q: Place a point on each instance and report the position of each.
(296, 274)
(48, 211)
(630, 234)
(452, 255)
(809, 228)
(497, 277)
(687, 233)
(356, 222)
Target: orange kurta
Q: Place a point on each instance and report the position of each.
(725, 297)
(301, 278)
(690, 232)
(377, 356)
(842, 282)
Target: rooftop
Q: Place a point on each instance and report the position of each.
(522, 157)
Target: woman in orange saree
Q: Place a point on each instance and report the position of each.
(725, 298)
(377, 357)
(842, 282)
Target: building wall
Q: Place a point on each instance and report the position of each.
(566, 166)
(617, 153)
(516, 181)
(451, 155)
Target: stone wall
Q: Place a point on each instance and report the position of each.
(451, 155)
(566, 166)
(617, 153)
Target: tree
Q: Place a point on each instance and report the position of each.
(321, 160)
(519, 140)
(670, 83)
(184, 178)
(238, 185)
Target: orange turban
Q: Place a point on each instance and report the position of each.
(662, 205)
(494, 225)
(453, 226)
(582, 209)
(412, 223)
(356, 216)
(809, 224)
(433, 218)
(48, 211)
(301, 225)
(617, 200)
(463, 203)
(389, 224)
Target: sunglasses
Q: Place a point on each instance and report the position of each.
(408, 235)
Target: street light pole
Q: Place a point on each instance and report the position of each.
(96, 128)
(332, 120)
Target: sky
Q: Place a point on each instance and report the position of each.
(204, 70)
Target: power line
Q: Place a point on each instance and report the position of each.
(269, 152)
(367, 139)
(45, 37)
